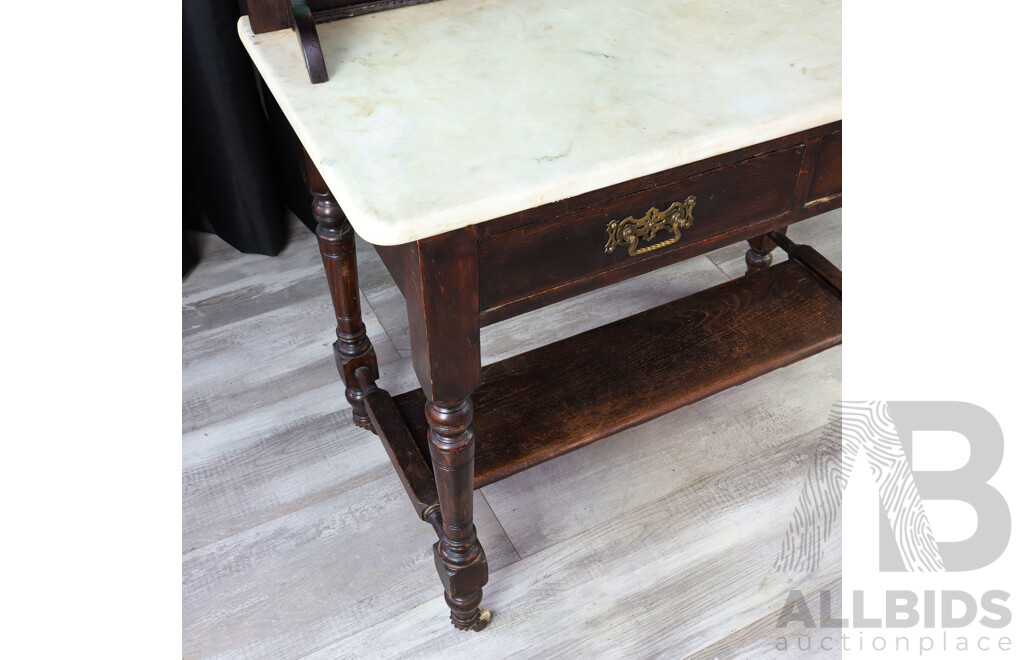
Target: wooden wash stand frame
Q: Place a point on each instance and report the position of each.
(470, 426)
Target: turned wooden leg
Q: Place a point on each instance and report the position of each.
(444, 326)
(458, 556)
(759, 256)
(352, 349)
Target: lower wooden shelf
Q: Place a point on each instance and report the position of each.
(538, 405)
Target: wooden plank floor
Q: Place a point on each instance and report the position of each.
(298, 540)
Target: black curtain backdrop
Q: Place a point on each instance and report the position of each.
(239, 159)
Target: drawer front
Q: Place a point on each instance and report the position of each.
(530, 260)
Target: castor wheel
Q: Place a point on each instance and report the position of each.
(482, 619)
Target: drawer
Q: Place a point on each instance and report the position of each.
(530, 260)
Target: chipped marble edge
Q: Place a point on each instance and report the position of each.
(380, 231)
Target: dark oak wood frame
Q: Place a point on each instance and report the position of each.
(303, 16)
(541, 404)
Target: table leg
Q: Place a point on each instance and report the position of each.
(444, 322)
(334, 234)
(759, 256)
(458, 555)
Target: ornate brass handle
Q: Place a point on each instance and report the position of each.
(628, 232)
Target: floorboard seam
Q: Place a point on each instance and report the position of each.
(672, 493)
(371, 625)
(773, 612)
(383, 328)
(720, 269)
(385, 471)
(502, 526)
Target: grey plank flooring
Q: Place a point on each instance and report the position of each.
(766, 639)
(667, 578)
(298, 541)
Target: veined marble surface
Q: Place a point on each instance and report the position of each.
(447, 114)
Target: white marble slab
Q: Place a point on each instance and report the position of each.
(447, 114)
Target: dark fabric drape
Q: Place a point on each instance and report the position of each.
(239, 161)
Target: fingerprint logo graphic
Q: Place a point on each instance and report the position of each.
(819, 509)
(857, 428)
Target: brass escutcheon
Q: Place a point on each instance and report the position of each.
(628, 232)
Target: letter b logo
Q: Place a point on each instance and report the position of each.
(967, 484)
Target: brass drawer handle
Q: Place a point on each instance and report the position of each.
(628, 232)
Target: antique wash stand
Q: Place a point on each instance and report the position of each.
(506, 155)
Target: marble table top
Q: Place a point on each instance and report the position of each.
(448, 114)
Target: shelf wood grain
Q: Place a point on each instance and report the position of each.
(544, 403)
